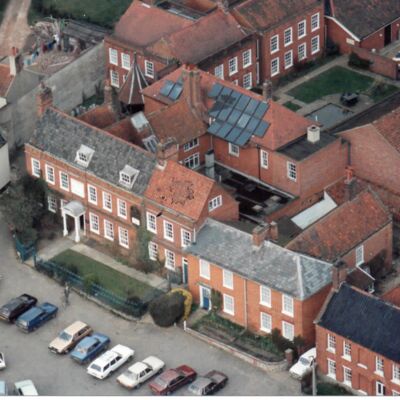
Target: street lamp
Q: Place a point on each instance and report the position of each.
(314, 380)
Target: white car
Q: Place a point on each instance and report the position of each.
(111, 360)
(25, 388)
(2, 361)
(303, 365)
(140, 372)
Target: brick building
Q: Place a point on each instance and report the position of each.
(263, 285)
(370, 24)
(358, 343)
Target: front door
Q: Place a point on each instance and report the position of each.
(388, 34)
(205, 298)
(184, 271)
(380, 389)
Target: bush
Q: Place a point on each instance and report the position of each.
(167, 309)
(88, 281)
(358, 62)
(281, 342)
(216, 300)
(331, 49)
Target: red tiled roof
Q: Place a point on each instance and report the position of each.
(285, 125)
(100, 116)
(265, 14)
(338, 190)
(393, 296)
(177, 120)
(126, 131)
(207, 36)
(388, 127)
(343, 229)
(180, 189)
(5, 80)
(143, 24)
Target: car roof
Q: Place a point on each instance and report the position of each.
(27, 387)
(105, 358)
(216, 376)
(138, 367)
(74, 327)
(170, 374)
(31, 313)
(202, 382)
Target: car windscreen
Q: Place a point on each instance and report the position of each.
(95, 367)
(65, 336)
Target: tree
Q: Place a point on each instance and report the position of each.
(167, 309)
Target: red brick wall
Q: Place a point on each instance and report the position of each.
(339, 36)
(266, 55)
(202, 148)
(363, 377)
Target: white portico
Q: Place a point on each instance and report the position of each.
(76, 210)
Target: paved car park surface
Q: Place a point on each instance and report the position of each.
(28, 357)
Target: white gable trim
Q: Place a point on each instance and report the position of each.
(344, 28)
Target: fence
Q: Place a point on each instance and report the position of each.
(24, 251)
(136, 308)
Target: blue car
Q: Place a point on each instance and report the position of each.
(36, 316)
(89, 347)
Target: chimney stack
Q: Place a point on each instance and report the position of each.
(108, 95)
(15, 61)
(267, 90)
(191, 87)
(44, 99)
(350, 183)
(259, 234)
(273, 233)
(339, 273)
(167, 150)
(313, 133)
(223, 5)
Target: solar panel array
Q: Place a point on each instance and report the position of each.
(236, 116)
(171, 89)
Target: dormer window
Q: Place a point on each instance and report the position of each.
(84, 155)
(127, 176)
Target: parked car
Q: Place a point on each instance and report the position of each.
(3, 389)
(110, 361)
(25, 388)
(140, 372)
(208, 384)
(303, 365)
(15, 307)
(69, 337)
(396, 57)
(172, 379)
(2, 361)
(89, 347)
(36, 317)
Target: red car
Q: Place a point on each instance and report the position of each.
(172, 380)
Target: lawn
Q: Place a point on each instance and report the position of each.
(101, 12)
(338, 80)
(112, 280)
(292, 106)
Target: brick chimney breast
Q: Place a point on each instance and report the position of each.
(108, 95)
(167, 150)
(192, 88)
(267, 90)
(260, 234)
(339, 273)
(44, 99)
(273, 233)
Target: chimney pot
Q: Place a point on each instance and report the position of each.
(313, 133)
(273, 231)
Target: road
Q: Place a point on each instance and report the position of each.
(28, 357)
(14, 28)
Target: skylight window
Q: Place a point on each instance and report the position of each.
(127, 176)
(84, 155)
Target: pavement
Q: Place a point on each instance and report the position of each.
(27, 355)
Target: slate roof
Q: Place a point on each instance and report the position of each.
(364, 17)
(301, 148)
(266, 14)
(343, 229)
(85, 31)
(180, 189)
(283, 270)
(61, 136)
(365, 320)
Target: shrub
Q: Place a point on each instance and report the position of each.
(281, 342)
(167, 309)
(331, 49)
(358, 62)
(88, 281)
(216, 300)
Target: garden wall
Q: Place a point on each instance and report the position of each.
(379, 64)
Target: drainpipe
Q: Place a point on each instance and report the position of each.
(245, 304)
(258, 147)
(349, 153)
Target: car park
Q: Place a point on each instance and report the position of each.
(110, 361)
(69, 337)
(211, 383)
(25, 388)
(172, 379)
(36, 317)
(89, 347)
(2, 361)
(17, 306)
(3, 388)
(140, 372)
(304, 364)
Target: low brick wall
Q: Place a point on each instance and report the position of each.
(264, 365)
(379, 64)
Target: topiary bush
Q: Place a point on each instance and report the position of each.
(167, 309)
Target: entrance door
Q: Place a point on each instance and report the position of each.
(380, 389)
(82, 222)
(205, 298)
(388, 34)
(184, 271)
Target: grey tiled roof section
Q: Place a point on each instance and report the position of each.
(271, 265)
(62, 136)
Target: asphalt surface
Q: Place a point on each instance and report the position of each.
(27, 356)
